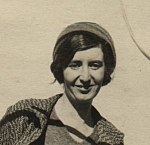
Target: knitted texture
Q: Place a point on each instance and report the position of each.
(108, 133)
(88, 27)
(25, 121)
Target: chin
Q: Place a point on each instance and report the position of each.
(83, 98)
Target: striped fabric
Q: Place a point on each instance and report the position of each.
(24, 122)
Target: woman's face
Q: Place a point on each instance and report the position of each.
(84, 75)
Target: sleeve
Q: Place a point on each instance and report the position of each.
(18, 127)
(120, 144)
(109, 134)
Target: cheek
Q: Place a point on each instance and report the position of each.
(69, 75)
(99, 75)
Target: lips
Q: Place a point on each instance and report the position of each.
(83, 89)
(86, 86)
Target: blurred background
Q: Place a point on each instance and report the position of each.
(28, 32)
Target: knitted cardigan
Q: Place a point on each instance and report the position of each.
(25, 121)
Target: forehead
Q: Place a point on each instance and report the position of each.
(94, 53)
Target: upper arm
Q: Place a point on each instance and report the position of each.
(19, 126)
(11, 129)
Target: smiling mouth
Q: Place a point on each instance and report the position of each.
(83, 89)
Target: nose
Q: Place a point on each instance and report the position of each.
(85, 75)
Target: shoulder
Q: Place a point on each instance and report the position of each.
(44, 104)
(105, 131)
(25, 117)
(29, 108)
(108, 133)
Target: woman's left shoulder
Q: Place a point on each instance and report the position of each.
(108, 133)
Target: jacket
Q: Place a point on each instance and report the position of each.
(25, 121)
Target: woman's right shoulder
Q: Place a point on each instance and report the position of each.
(27, 104)
(25, 116)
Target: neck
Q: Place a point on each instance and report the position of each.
(78, 110)
(83, 109)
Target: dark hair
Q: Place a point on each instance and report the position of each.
(70, 43)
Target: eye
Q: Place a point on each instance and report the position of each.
(95, 65)
(75, 65)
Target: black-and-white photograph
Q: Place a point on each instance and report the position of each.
(74, 72)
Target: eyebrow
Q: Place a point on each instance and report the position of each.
(76, 61)
(92, 61)
(97, 61)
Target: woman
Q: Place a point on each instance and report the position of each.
(83, 60)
